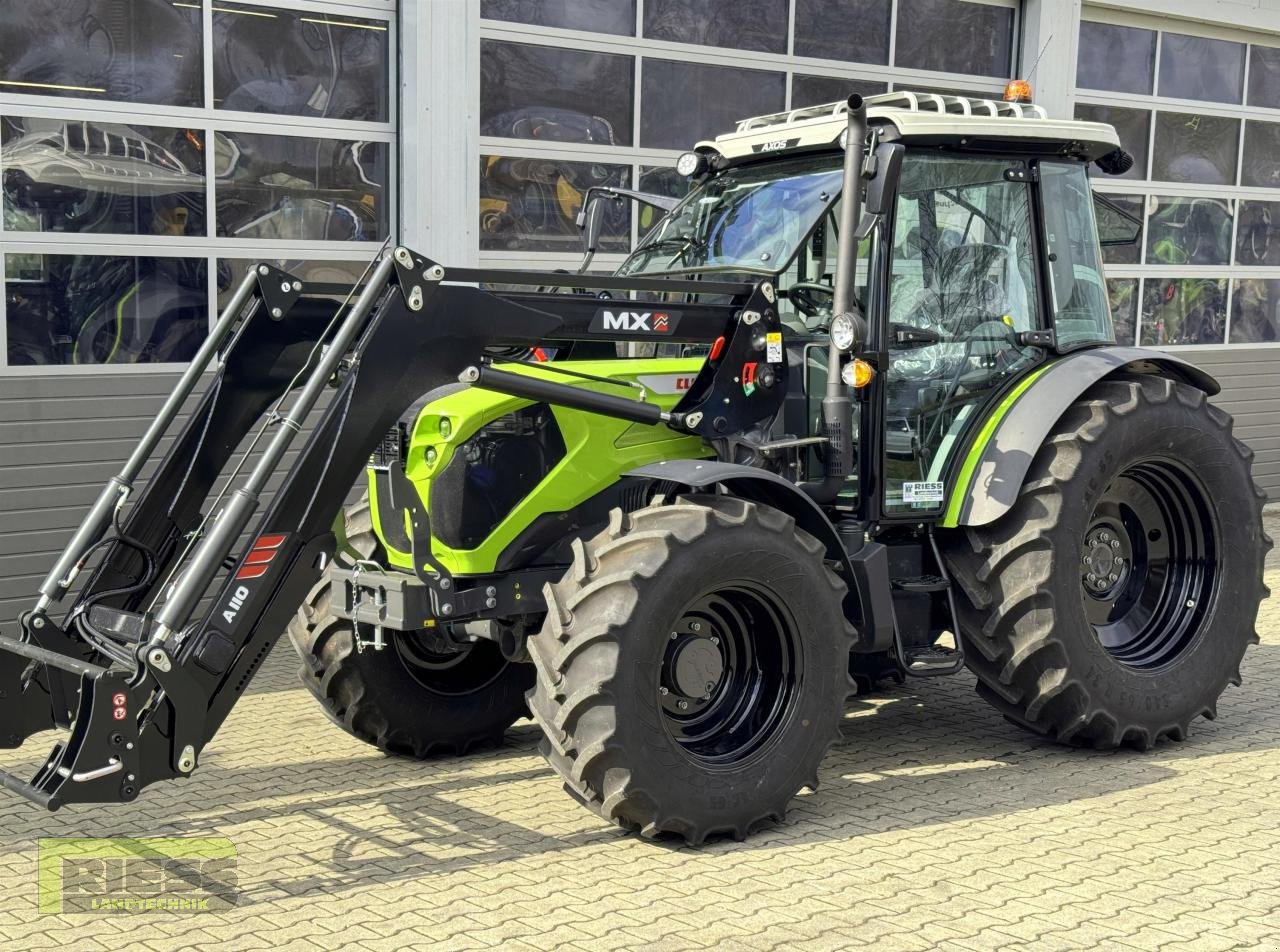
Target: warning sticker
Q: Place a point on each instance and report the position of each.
(773, 347)
(928, 493)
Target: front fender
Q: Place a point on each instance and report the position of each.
(991, 475)
(869, 604)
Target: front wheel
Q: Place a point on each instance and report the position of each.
(1113, 603)
(422, 694)
(692, 667)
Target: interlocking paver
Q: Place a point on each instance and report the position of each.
(937, 825)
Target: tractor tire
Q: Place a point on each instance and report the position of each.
(418, 696)
(692, 667)
(1113, 603)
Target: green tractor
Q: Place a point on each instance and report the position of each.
(878, 428)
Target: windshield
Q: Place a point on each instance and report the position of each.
(744, 219)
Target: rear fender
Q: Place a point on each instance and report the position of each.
(997, 461)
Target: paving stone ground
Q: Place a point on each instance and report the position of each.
(937, 825)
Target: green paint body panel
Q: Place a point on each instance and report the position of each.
(960, 489)
(598, 449)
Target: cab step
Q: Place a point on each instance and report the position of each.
(922, 583)
(925, 630)
(932, 660)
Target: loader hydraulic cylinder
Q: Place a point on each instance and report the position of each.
(559, 394)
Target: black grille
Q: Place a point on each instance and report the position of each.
(491, 472)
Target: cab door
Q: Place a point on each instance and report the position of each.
(962, 284)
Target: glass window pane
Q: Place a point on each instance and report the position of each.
(1192, 147)
(1183, 311)
(1261, 154)
(100, 309)
(816, 90)
(1258, 234)
(299, 63)
(1125, 253)
(82, 176)
(741, 24)
(1119, 58)
(681, 103)
(1122, 295)
(963, 275)
(1076, 286)
(544, 92)
(661, 180)
(142, 51)
(533, 204)
(1188, 230)
(951, 36)
(1133, 126)
(1196, 67)
(1264, 76)
(300, 189)
(598, 16)
(1255, 311)
(311, 270)
(853, 30)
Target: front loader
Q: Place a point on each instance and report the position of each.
(885, 431)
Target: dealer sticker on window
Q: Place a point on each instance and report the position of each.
(773, 347)
(928, 493)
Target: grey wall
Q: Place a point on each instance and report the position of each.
(1250, 381)
(60, 439)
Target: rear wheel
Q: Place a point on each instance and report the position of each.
(1113, 603)
(692, 668)
(422, 694)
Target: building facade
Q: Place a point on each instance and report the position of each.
(149, 148)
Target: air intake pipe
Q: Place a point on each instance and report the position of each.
(837, 408)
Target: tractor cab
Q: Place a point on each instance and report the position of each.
(977, 259)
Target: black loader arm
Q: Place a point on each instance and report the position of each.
(142, 683)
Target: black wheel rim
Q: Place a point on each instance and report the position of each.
(731, 670)
(438, 663)
(1149, 564)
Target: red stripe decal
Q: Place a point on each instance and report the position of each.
(252, 571)
(270, 541)
(257, 557)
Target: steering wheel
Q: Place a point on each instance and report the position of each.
(804, 294)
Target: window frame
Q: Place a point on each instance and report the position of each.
(209, 119)
(1145, 187)
(645, 49)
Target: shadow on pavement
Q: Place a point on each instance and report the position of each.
(918, 755)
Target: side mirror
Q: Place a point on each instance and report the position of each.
(591, 216)
(591, 221)
(884, 183)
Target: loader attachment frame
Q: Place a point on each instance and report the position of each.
(144, 667)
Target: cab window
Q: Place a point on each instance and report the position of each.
(1081, 313)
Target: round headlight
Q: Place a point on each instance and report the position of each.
(690, 163)
(842, 333)
(844, 137)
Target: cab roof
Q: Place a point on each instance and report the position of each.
(923, 118)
